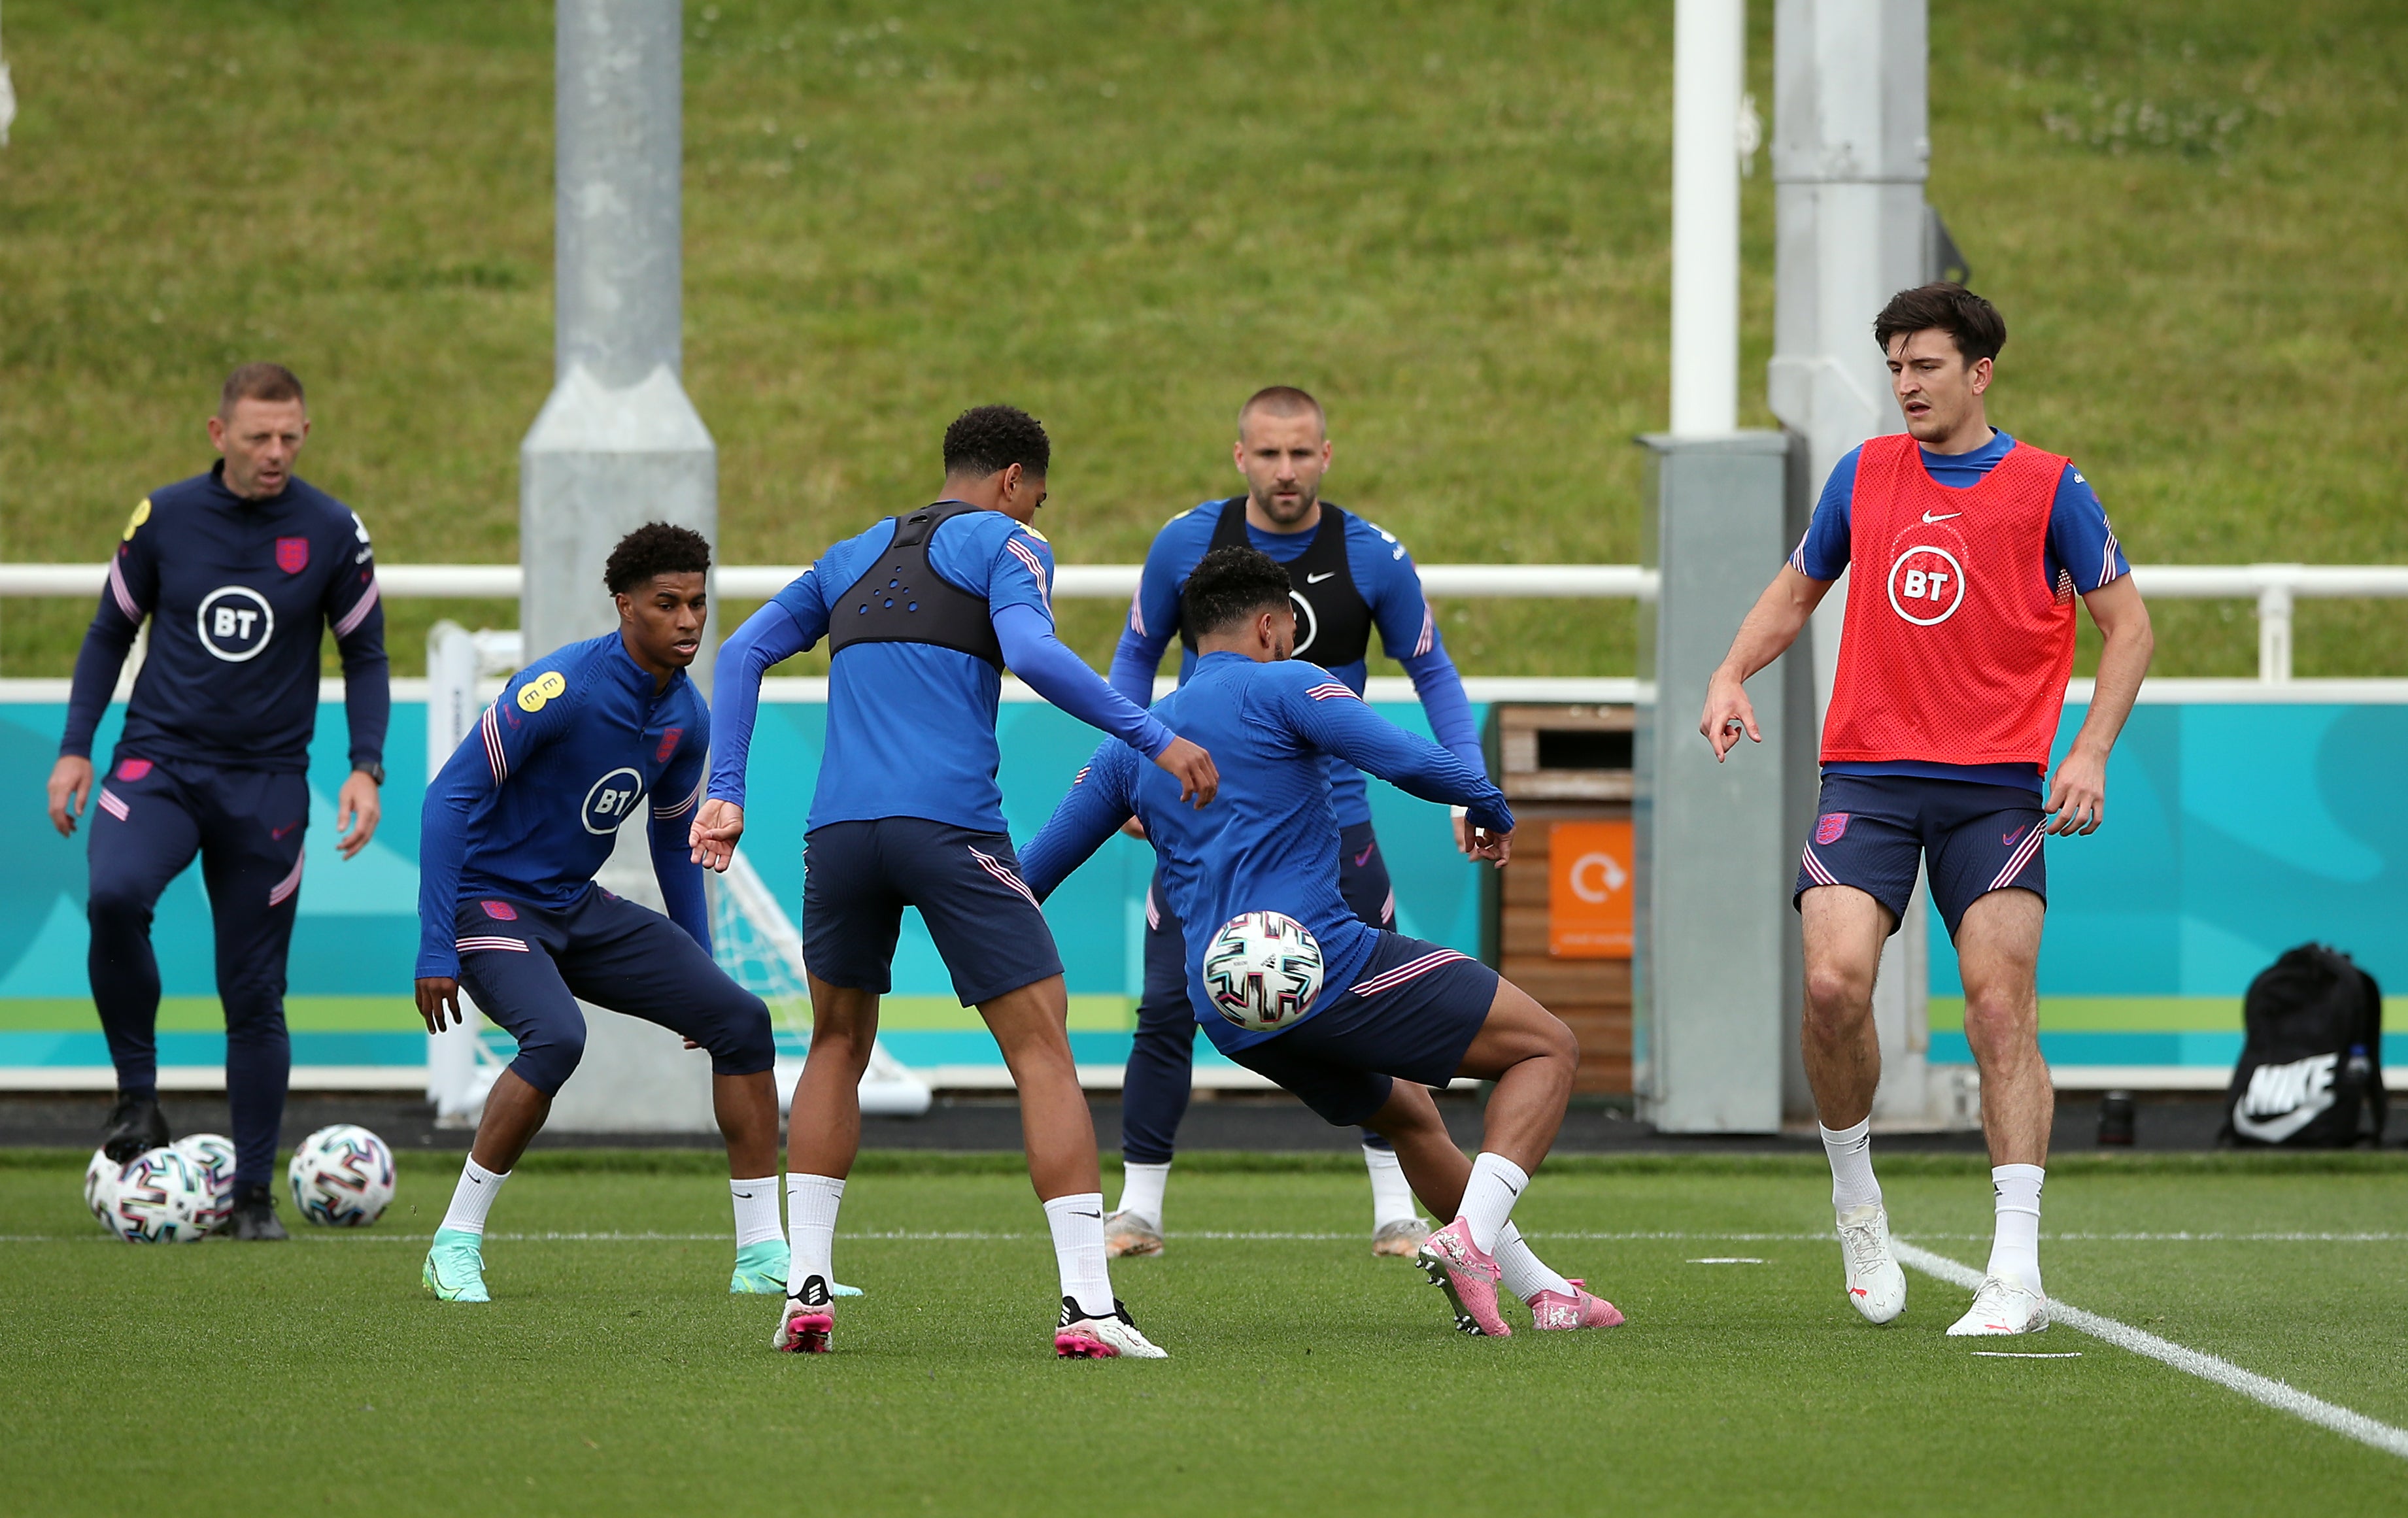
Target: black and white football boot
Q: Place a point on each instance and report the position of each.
(1081, 1337)
(807, 1318)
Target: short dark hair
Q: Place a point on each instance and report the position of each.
(656, 547)
(260, 382)
(1231, 585)
(989, 440)
(1282, 400)
(1974, 324)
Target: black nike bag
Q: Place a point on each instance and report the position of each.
(2311, 1070)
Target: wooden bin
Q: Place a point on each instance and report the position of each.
(1560, 764)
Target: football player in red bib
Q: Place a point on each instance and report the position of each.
(1969, 549)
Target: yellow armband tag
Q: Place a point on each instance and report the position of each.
(537, 692)
(141, 514)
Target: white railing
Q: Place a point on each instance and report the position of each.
(2276, 588)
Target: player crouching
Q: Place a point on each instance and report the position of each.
(1393, 1014)
(515, 826)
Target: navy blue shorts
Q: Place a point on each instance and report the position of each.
(858, 877)
(529, 966)
(1871, 830)
(1408, 1016)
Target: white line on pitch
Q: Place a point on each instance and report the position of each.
(2257, 1388)
(1625, 1236)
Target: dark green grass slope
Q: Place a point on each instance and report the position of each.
(1449, 218)
(612, 1377)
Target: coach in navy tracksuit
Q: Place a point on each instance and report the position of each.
(237, 570)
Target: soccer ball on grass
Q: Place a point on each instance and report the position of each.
(100, 1178)
(342, 1177)
(211, 1156)
(1261, 970)
(161, 1198)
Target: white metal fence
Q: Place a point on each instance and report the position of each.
(2276, 588)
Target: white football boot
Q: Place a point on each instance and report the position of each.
(2004, 1305)
(1111, 1336)
(1876, 1285)
(1400, 1237)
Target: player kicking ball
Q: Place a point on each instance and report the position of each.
(515, 825)
(1394, 1014)
(922, 613)
(1969, 549)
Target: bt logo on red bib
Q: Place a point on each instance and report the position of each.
(1926, 585)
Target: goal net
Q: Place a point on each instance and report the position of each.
(758, 945)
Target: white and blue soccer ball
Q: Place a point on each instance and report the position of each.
(1262, 970)
(212, 1158)
(342, 1177)
(100, 1178)
(161, 1198)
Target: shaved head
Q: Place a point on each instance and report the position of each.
(1285, 402)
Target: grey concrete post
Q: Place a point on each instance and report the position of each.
(1850, 150)
(617, 445)
(1713, 939)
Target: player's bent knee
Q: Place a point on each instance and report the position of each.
(1837, 997)
(749, 1044)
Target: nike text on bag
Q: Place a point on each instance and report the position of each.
(2311, 1072)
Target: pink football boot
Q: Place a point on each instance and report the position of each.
(1555, 1311)
(1467, 1275)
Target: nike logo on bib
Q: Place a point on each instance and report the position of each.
(1316, 579)
(1929, 519)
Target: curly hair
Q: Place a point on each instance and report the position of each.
(1230, 585)
(656, 547)
(988, 439)
(1975, 325)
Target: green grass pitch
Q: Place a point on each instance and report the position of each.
(612, 1374)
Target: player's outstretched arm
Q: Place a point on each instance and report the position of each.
(1154, 616)
(2077, 795)
(778, 631)
(1765, 634)
(1099, 800)
(1056, 673)
(1335, 719)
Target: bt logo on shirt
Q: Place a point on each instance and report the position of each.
(236, 623)
(612, 800)
(1926, 585)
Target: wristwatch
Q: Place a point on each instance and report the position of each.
(374, 772)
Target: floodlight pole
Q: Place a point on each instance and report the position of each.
(1851, 150)
(617, 445)
(1713, 946)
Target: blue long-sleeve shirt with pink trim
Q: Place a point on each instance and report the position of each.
(529, 805)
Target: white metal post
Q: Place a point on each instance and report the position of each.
(1709, 66)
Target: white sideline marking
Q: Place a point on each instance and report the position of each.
(2027, 1354)
(1624, 1236)
(1727, 1259)
(2257, 1388)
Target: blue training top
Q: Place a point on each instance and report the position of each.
(910, 726)
(530, 804)
(1268, 842)
(239, 593)
(1383, 576)
(2082, 555)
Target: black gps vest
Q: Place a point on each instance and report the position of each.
(1333, 622)
(901, 599)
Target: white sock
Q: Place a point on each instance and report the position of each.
(1077, 1224)
(811, 1202)
(1141, 1188)
(756, 1211)
(473, 1197)
(1488, 1200)
(1851, 1152)
(1392, 1195)
(2015, 1248)
(1525, 1274)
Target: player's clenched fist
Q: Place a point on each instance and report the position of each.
(1198, 781)
(717, 826)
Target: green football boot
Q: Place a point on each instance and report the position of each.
(760, 1269)
(455, 1266)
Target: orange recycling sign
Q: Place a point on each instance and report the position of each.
(1589, 888)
